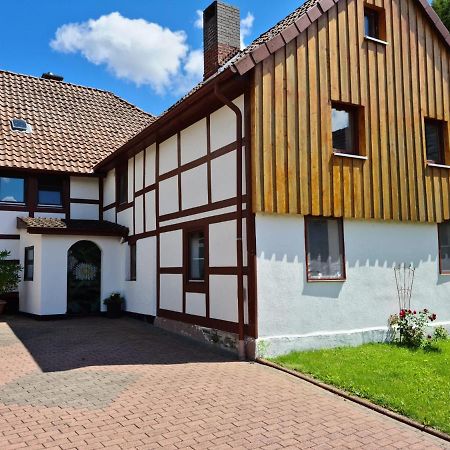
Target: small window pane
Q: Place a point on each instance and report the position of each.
(197, 256)
(444, 246)
(343, 130)
(324, 249)
(133, 262)
(50, 191)
(434, 141)
(29, 264)
(122, 187)
(371, 23)
(12, 190)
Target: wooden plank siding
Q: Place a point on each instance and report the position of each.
(396, 85)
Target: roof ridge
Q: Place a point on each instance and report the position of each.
(80, 86)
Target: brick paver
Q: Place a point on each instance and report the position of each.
(99, 383)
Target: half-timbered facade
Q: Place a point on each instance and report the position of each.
(271, 204)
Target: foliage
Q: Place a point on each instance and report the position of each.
(114, 299)
(9, 273)
(412, 326)
(440, 333)
(411, 382)
(442, 8)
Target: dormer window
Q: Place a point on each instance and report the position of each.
(374, 23)
(20, 125)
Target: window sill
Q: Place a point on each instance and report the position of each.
(377, 41)
(439, 166)
(327, 280)
(349, 155)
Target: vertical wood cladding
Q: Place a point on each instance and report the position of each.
(397, 85)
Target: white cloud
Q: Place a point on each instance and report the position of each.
(246, 27)
(133, 49)
(142, 52)
(199, 20)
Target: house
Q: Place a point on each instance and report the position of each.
(267, 209)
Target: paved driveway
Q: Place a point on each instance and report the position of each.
(96, 383)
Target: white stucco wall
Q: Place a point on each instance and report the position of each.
(295, 314)
(47, 294)
(30, 292)
(84, 211)
(84, 187)
(141, 294)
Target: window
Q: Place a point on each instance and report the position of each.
(324, 249)
(196, 252)
(133, 262)
(434, 140)
(50, 191)
(12, 190)
(122, 186)
(20, 125)
(374, 22)
(344, 126)
(444, 248)
(29, 264)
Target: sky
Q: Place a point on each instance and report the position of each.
(147, 52)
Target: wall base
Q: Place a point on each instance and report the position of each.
(281, 345)
(216, 338)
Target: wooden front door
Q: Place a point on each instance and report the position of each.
(83, 278)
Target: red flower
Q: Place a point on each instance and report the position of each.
(415, 312)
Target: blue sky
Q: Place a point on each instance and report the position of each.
(147, 52)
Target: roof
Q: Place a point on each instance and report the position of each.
(37, 225)
(74, 127)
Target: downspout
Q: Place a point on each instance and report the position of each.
(239, 245)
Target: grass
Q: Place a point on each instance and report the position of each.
(415, 383)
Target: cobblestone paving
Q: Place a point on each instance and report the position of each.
(98, 383)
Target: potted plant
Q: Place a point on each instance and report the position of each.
(114, 304)
(9, 277)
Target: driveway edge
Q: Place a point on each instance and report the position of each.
(359, 400)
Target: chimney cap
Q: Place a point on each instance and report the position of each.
(52, 76)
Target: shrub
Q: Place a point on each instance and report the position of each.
(412, 327)
(9, 273)
(440, 334)
(114, 299)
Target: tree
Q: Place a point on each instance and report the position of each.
(442, 8)
(9, 273)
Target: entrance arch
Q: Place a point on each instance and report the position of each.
(83, 278)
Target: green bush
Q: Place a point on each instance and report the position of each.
(9, 273)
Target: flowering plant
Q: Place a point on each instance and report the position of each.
(412, 326)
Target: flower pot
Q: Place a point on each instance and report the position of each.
(114, 311)
(2, 306)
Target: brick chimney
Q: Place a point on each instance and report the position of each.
(221, 35)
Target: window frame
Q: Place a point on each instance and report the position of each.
(26, 275)
(16, 177)
(133, 261)
(340, 223)
(439, 233)
(443, 140)
(356, 113)
(381, 25)
(121, 171)
(196, 286)
(50, 188)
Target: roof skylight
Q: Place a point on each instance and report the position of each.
(21, 125)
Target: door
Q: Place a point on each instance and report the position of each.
(83, 278)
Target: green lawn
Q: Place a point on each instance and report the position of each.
(414, 383)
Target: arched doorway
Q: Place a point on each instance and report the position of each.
(83, 278)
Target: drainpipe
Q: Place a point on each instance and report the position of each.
(239, 245)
